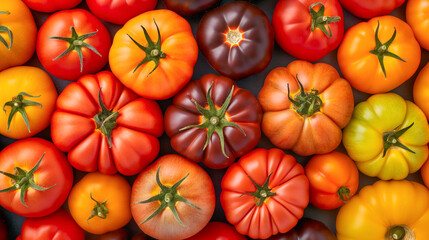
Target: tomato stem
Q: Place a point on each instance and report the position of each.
(344, 194)
(106, 120)
(305, 103)
(18, 104)
(8, 31)
(391, 138)
(100, 209)
(320, 21)
(262, 192)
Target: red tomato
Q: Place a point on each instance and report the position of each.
(218, 231)
(370, 8)
(308, 29)
(40, 171)
(264, 193)
(51, 5)
(72, 43)
(119, 12)
(59, 225)
(105, 126)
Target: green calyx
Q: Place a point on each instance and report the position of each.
(397, 233)
(152, 50)
(8, 31)
(391, 138)
(214, 119)
(18, 104)
(100, 209)
(23, 180)
(76, 43)
(320, 21)
(168, 197)
(262, 192)
(343, 194)
(382, 49)
(305, 103)
(105, 120)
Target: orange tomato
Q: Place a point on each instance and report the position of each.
(30, 90)
(172, 54)
(100, 203)
(334, 179)
(421, 90)
(379, 55)
(425, 173)
(417, 14)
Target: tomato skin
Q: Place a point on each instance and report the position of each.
(284, 209)
(35, 82)
(327, 173)
(244, 110)
(58, 225)
(51, 5)
(119, 12)
(25, 154)
(113, 189)
(196, 188)
(218, 231)
(421, 90)
(21, 23)
(307, 229)
(233, 61)
(370, 8)
(189, 7)
(292, 27)
(134, 139)
(68, 67)
(417, 12)
(177, 42)
(288, 129)
(363, 69)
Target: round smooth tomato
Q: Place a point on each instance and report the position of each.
(308, 29)
(370, 8)
(305, 107)
(379, 55)
(72, 43)
(51, 5)
(237, 39)
(104, 125)
(421, 90)
(189, 7)
(334, 179)
(28, 96)
(425, 173)
(173, 198)
(417, 13)
(99, 203)
(18, 34)
(119, 12)
(159, 64)
(58, 225)
(265, 188)
(36, 177)
(218, 231)
(213, 121)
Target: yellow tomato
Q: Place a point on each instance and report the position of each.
(25, 92)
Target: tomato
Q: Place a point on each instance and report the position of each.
(104, 125)
(189, 7)
(173, 198)
(385, 209)
(72, 43)
(18, 34)
(58, 225)
(51, 5)
(119, 12)
(334, 179)
(308, 29)
(417, 13)
(27, 185)
(387, 137)
(27, 95)
(159, 64)
(237, 39)
(425, 173)
(421, 90)
(119, 234)
(99, 203)
(218, 231)
(264, 193)
(379, 55)
(213, 121)
(305, 107)
(307, 229)
(370, 8)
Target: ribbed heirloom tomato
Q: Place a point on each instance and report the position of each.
(104, 125)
